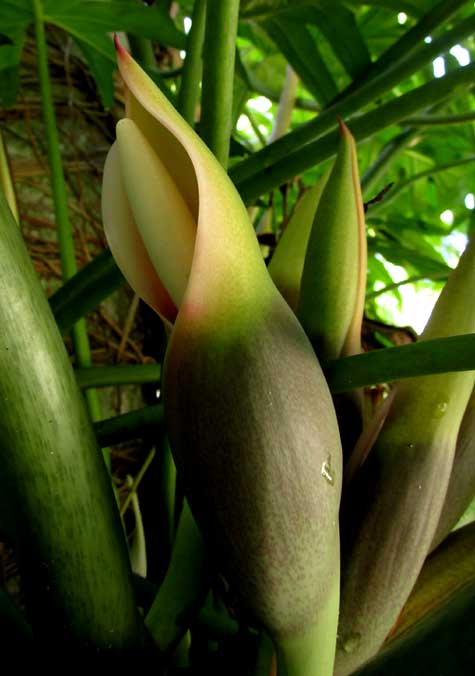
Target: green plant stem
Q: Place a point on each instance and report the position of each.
(6, 183)
(436, 120)
(218, 75)
(388, 154)
(399, 51)
(65, 234)
(95, 282)
(145, 422)
(409, 280)
(142, 50)
(427, 357)
(361, 127)
(403, 185)
(351, 103)
(110, 376)
(68, 530)
(193, 66)
(255, 126)
(456, 353)
(136, 482)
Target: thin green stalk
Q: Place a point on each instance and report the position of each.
(409, 280)
(218, 75)
(362, 127)
(145, 422)
(403, 185)
(254, 125)
(65, 233)
(110, 376)
(433, 120)
(193, 66)
(351, 103)
(388, 154)
(435, 17)
(6, 183)
(136, 482)
(441, 355)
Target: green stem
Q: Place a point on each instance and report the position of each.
(6, 183)
(361, 127)
(351, 103)
(110, 376)
(145, 422)
(409, 280)
(399, 51)
(218, 75)
(403, 185)
(136, 482)
(426, 357)
(68, 529)
(95, 282)
(193, 66)
(254, 125)
(142, 50)
(388, 154)
(60, 197)
(433, 120)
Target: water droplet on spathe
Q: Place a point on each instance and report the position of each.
(327, 472)
(351, 642)
(441, 409)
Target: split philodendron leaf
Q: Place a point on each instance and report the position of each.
(251, 422)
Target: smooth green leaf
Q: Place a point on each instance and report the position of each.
(81, 17)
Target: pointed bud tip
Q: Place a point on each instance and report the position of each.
(121, 51)
(344, 131)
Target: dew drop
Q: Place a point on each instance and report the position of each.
(441, 409)
(327, 472)
(351, 642)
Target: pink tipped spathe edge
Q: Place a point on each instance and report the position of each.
(121, 51)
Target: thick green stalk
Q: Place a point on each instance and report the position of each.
(65, 234)
(363, 127)
(439, 355)
(193, 66)
(70, 543)
(145, 422)
(351, 103)
(126, 374)
(218, 75)
(142, 51)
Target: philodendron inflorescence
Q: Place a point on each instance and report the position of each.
(251, 421)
